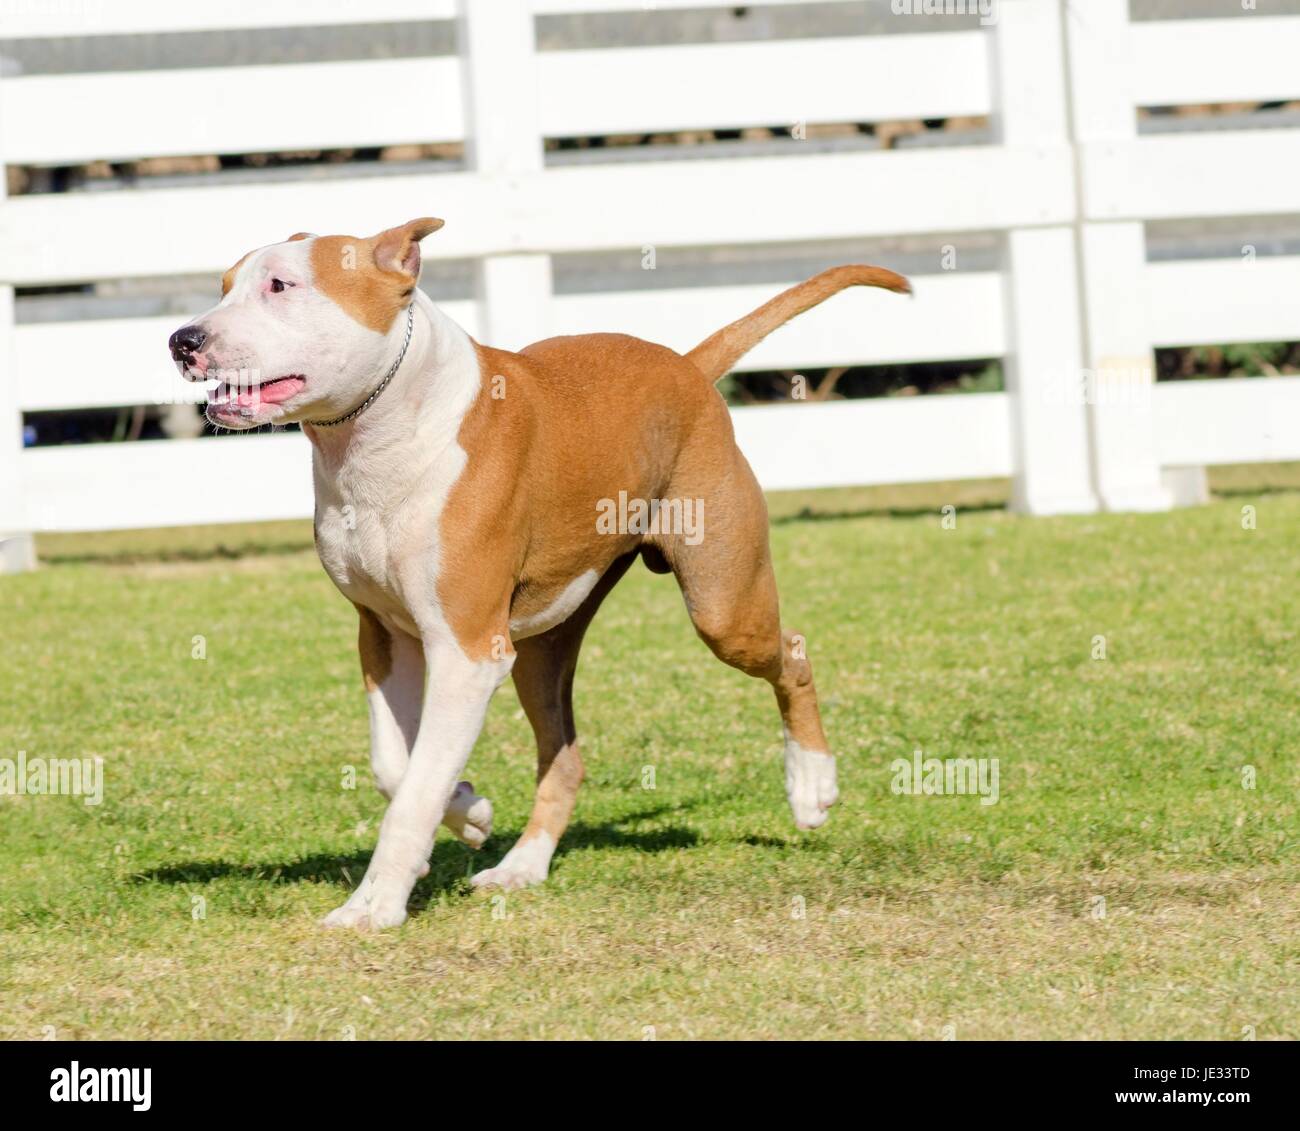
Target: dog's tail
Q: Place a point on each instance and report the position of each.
(715, 356)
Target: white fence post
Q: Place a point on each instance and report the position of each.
(503, 141)
(1044, 358)
(17, 551)
(1120, 353)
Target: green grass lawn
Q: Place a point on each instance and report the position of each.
(1126, 883)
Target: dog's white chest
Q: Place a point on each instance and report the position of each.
(382, 557)
(355, 549)
(377, 530)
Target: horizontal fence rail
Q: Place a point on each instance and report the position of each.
(1198, 61)
(1229, 420)
(859, 78)
(1191, 176)
(1204, 302)
(138, 114)
(1062, 178)
(78, 18)
(672, 203)
(297, 106)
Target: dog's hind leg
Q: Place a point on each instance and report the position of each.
(727, 581)
(543, 674)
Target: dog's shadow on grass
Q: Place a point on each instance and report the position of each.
(450, 865)
(807, 514)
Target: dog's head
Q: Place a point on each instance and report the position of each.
(305, 328)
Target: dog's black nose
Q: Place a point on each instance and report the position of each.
(187, 341)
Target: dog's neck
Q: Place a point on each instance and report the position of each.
(418, 415)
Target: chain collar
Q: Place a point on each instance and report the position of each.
(410, 323)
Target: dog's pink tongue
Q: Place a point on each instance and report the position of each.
(273, 393)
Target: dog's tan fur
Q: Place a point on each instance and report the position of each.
(375, 644)
(372, 278)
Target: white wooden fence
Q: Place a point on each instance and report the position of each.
(1067, 185)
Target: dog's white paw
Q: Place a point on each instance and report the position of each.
(365, 918)
(525, 865)
(469, 816)
(507, 879)
(369, 908)
(809, 784)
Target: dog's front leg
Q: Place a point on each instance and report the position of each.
(456, 697)
(392, 664)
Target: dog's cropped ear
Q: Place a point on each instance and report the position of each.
(398, 249)
(300, 236)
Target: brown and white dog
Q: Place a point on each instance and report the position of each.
(459, 494)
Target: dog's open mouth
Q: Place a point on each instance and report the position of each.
(275, 391)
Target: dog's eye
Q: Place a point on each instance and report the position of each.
(278, 285)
